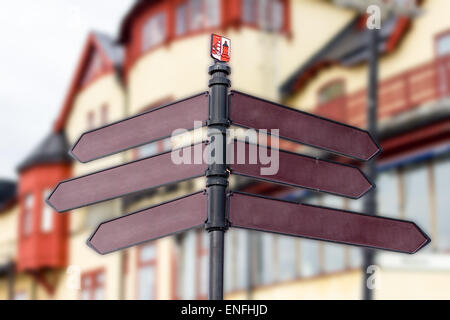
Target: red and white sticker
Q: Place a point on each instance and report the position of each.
(220, 48)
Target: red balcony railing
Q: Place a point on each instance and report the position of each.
(405, 91)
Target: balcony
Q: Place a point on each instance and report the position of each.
(405, 91)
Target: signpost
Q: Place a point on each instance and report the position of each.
(218, 208)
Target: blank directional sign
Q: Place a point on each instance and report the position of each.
(125, 179)
(290, 218)
(144, 128)
(301, 127)
(300, 171)
(152, 223)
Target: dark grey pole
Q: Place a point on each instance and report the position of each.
(217, 175)
(370, 201)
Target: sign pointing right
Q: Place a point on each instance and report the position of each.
(298, 170)
(252, 112)
(296, 219)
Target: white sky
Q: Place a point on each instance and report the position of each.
(40, 44)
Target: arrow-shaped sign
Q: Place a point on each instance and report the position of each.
(300, 171)
(152, 223)
(298, 126)
(141, 129)
(291, 218)
(125, 179)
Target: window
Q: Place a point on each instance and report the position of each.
(241, 259)
(212, 13)
(47, 214)
(443, 45)
(229, 261)
(148, 150)
(104, 115)
(28, 214)
(387, 194)
(154, 31)
(266, 264)
(356, 253)
(286, 258)
(309, 251)
(181, 19)
(187, 277)
(442, 186)
(236, 259)
(90, 120)
(93, 285)
(415, 186)
(249, 11)
(202, 269)
(309, 257)
(167, 144)
(334, 254)
(331, 91)
(195, 14)
(443, 50)
(265, 14)
(277, 12)
(146, 272)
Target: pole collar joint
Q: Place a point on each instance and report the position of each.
(219, 67)
(219, 80)
(220, 123)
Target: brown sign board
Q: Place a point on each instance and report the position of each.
(125, 179)
(302, 171)
(152, 223)
(156, 124)
(301, 127)
(320, 223)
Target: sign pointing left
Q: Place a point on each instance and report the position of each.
(125, 179)
(155, 222)
(143, 128)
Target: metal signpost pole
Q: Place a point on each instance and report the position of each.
(370, 201)
(217, 175)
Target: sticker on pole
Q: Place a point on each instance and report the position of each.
(220, 48)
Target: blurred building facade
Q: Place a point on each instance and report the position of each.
(308, 54)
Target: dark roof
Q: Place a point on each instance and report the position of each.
(52, 150)
(136, 9)
(8, 192)
(113, 50)
(348, 47)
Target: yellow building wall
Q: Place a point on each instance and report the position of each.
(180, 69)
(23, 283)
(413, 285)
(345, 285)
(8, 235)
(8, 243)
(104, 91)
